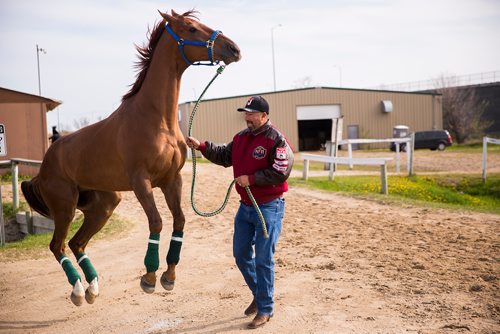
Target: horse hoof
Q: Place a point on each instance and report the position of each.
(90, 297)
(147, 286)
(77, 295)
(166, 283)
(92, 291)
(77, 300)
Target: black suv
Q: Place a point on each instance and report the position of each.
(433, 139)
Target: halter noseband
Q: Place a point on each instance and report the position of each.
(208, 44)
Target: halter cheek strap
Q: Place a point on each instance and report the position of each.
(208, 44)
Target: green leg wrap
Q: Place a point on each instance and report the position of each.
(70, 271)
(87, 267)
(174, 250)
(152, 259)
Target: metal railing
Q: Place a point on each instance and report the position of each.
(13, 164)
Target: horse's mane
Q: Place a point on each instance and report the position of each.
(146, 53)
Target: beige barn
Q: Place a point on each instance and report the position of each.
(308, 116)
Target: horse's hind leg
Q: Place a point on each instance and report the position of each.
(173, 192)
(61, 198)
(97, 207)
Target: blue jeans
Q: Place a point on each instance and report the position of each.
(258, 269)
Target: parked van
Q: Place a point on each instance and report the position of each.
(433, 139)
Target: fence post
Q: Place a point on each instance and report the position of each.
(485, 157)
(398, 149)
(305, 171)
(383, 176)
(15, 189)
(349, 150)
(2, 223)
(411, 153)
(29, 222)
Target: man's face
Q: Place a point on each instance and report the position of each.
(255, 119)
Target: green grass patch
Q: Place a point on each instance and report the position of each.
(473, 147)
(452, 191)
(32, 245)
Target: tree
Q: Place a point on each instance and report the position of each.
(303, 82)
(81, 122)
(462, 110)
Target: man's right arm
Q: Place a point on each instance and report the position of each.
(218, 154)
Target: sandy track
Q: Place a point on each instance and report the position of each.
(344, 265)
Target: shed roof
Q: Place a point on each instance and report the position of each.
(14, 96)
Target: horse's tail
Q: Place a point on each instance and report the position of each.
(31, 192)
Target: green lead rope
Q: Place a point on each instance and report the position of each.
(193, 155)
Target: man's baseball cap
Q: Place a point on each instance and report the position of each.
(256, 104)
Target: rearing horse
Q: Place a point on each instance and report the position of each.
(138, 147)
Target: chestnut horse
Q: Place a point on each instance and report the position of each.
(138, 147)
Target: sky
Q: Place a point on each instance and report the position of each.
(90, 53)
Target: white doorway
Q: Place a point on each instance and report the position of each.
(315, 125)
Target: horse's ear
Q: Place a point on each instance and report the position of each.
(167, 17)
(174, 14)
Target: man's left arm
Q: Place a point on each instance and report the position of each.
(280, 165)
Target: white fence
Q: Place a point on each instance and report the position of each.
(397, 141)
(382, 162)
(487, 140)
(13, 164)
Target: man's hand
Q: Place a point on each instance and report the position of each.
(243, 181)
(193, 142)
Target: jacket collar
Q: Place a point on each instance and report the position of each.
(263, 128)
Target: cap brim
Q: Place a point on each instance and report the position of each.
(249, 110)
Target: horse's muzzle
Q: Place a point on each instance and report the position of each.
(229, 51)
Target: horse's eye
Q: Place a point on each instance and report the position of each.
(192, 29)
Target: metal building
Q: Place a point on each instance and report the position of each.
(307, 116)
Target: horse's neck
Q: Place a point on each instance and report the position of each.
(159, 93)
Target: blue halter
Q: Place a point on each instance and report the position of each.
(208, 44)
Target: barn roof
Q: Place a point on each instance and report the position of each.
(14, 96)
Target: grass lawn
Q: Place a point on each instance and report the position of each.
(450, 191)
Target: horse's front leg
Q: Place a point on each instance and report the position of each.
(173, 193)
(144, 193)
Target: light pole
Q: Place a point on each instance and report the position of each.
(272, 50)
(340, 74)
(38, 50)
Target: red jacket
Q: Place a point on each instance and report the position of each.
(264, 155)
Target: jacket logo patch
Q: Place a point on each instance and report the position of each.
(281, 153)
(259, 153)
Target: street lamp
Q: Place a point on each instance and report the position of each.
(38, 50)
(272, 50)
(340, 74)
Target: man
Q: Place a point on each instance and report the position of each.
(55, 135)
(262, 160)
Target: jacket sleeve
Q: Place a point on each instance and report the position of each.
(218, 154)
(280, 165)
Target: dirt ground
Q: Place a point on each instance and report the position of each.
(343, 265)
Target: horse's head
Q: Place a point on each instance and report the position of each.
(197, 42)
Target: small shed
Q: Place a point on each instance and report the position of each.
(24, 124)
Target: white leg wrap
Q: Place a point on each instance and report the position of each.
(78, 290)
(77, 295)
(94, 287)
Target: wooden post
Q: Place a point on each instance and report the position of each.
(349, 150)
(2, 224)
(15, 189)
(29, 222)
(411, 154)
(397, 156)
(305, 170)
(383, 176)
(485, 156)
